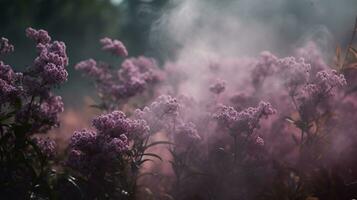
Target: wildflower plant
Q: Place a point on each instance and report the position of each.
(116, 86)
(29, 108)
(284, 130)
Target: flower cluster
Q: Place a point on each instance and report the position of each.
(51, 60)
(245, 121)
(92, 69)
(134, 77)
(312, 95)
(295, 72)
(160, 113)
(9, 87)
(100, 149)
(5, 46)
(93, 152)
(264, 67)
(186, 134)
(327, 80)
(47, 146)
(114, 46)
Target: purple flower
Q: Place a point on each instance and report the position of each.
(50, 109)
(51, 60)
(218, 87)
(265, 66)
(114, 46)
(295, 72)
(314, 95)
(47, 146)
(159, 114)
(98, 151)
(40, 36)
(146, 67)
(114, 123)
(134, 77)
(92, 69)
(5, 46)
(165, 105)
(139, 129)
(245, 121)
(9, 88)
(42, 115)
(186, 134)
(7, 74)
(327, 80)
(7, 91)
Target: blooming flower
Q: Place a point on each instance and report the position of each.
(186, 134)
(47, 146)
(312, 95)
(114, 46)
(246, 120)
(5, 46)
(264, 67)
(295, 72)
(40, 36)
(102, 147)
(51, 60)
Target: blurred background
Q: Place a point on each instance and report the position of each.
(80, 24)
(163, 28)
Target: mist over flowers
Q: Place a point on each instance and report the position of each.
(212, 121)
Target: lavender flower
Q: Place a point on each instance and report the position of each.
(7, 74)
(165, 105)
(245, 121)
(8, 83)
(113, 124)
(7, 91)
(5, 46)
(134, 77)
(92, 69)
(91, 152)
(147, 67)
(218, 87)
(83, 139)
(51, 107)
(52, 58)
(40, 36)
(159, 114)
(327, 80)
(312, 95)
(295, 72)
(47, 146)
(186, 134)
(114, 46)
(98, 151)
(139, 129)
(265, 66)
